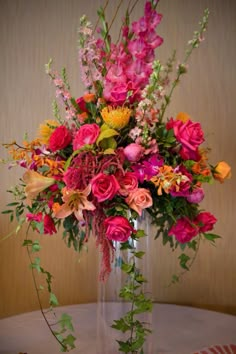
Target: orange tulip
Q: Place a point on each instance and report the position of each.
(222, 171)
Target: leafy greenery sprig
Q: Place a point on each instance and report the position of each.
(140, 302)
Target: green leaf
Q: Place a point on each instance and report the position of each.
(127, 268)
(53, 300)
(183, 261)
(139, 254)
(69, 341)
(36, 264)
(175, 279)
(140, 233)
(211, 237)
(36, 246)
(121, 325)
(105, 134)
(124, 346)
(7, 211)
(66, 322)
(27, 243)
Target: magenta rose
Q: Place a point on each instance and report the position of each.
(133, 152)
(189, 134)
(87, 134)
(184, 230)
(196, 196)
(118, 228)
(205, 221)
(128, 183)
(104, 187)
(59, 139)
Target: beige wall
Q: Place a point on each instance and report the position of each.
(33, 31)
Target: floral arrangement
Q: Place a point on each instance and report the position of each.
(114, 154)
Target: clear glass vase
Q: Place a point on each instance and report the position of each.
(111, 306)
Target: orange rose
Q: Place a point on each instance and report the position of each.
(139, 199)
(222, 171)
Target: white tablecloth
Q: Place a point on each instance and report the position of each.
(177, 330)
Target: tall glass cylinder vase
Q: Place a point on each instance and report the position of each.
(134, 305)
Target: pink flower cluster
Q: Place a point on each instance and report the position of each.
(130, 64)
(185, 229)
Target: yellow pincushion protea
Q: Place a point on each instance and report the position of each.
(116, 118)
(46, 129)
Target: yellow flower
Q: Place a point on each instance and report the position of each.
(46, 129)
(184, 117)
(35, 183)
(222, 171)
(116, 118)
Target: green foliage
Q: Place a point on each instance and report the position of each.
(183, 260)
(140, 303)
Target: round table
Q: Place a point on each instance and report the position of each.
(177, 330)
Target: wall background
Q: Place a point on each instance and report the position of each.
(31, 33)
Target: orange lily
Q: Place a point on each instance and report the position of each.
(75, 201)
(35, 183)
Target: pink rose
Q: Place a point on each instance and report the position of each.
(104, 187)
(87, 134)
(189, 134)
(205, 221)
(139, 199)
(184, 230)
(133, 152)
(128, 183)
(59, 139)
(118, 228)
(196, 196)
